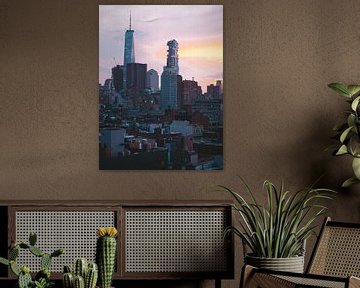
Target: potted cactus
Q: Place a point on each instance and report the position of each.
(106, 254)
(42, 278)
(85, 275)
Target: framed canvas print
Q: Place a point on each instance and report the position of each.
(161, 87)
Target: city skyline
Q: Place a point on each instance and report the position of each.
(200, 41)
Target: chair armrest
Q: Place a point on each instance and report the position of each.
(354, 282)
(254, 277)
(246, 273)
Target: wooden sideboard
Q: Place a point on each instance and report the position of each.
(157, 240)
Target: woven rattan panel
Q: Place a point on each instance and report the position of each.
(338, 253)
(175, 241)
(75, 231)
(312, 282)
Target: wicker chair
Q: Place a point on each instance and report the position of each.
(334, 263)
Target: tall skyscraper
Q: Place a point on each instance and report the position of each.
(129, 49)
(135, 83)
(169, 79)
(136, 76)
(118, 77)
(152, 80)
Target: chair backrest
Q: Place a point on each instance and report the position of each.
(337, 251)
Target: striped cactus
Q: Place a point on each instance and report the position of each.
(79, 282)
(68, 280)
(81, 266)
(84, 276)
(91, 276)
(106, 254)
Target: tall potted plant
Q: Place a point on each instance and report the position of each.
(276, 233)
(348, 132)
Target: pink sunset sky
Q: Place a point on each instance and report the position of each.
(197, 28)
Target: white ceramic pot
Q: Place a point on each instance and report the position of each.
(291, 264)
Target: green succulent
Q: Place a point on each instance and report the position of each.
(43, 283)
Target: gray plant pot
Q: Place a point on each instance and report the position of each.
(291, 264)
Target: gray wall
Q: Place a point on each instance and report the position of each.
(279, 57)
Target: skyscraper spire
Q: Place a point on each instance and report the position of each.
(129, 49)
(130, 21)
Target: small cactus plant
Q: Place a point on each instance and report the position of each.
(79, 282)
(91, 276)
(42, 278)
(85, 275)
(81, 267)
(106, 254)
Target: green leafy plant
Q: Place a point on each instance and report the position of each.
(279, 229)
(43, 283)
(348, 132)
(42, 278)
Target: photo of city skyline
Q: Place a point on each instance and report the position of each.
(161, 87)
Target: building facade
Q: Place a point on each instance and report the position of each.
(172, 60)
(112, 141)
(169, 79)
(190, 91)
(213, 92)
(118, 77)
(152, 80)
(136, 76)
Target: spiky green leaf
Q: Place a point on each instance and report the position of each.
(340, 88)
